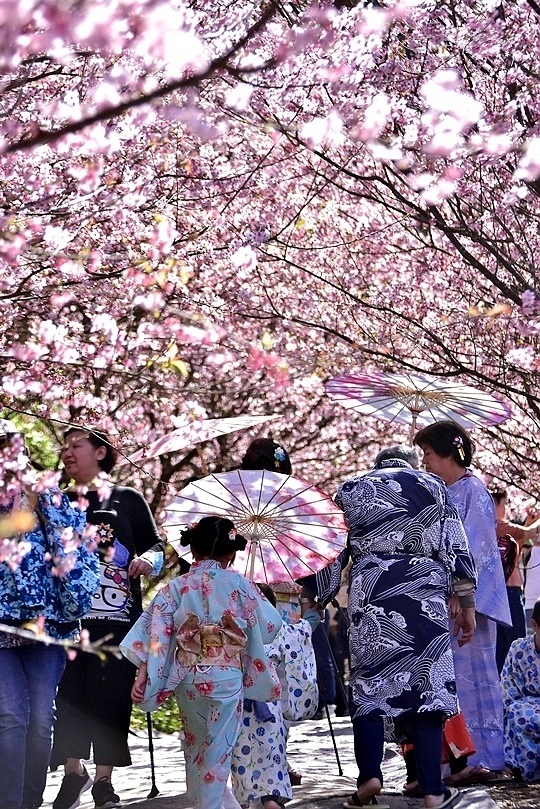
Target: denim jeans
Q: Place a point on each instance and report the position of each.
(507, 634)
(29, 677)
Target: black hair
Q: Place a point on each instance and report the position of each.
(265, 453)
(267, 591)
(400, 451)
(99, 439)
(448, 440)
(536, 611)
(214, 537)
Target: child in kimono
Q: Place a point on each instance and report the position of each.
(202, 637)
(259, 761)
(520, 679)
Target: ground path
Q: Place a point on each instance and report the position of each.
(310, 752)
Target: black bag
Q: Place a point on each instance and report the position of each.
(509, 550)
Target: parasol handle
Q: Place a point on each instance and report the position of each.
(413, 429)
(201, 458)
(254, 539)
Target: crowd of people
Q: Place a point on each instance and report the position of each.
(439, 658)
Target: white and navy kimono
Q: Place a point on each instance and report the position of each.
(407, 545)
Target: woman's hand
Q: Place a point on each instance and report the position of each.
(139, 686)
(139, 567)
(466, 623)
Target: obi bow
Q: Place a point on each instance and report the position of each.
(209, 644)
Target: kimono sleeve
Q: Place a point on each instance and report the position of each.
(152, 640)
(459, 552)
(261, 681)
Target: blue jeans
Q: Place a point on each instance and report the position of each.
(29, 677)
(506, 634)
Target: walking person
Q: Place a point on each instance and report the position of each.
(409, 555)
(448, 452)
(203, 637)
(514, 581)
(94, 698)
(259, 762)
(267, 454)
(52, 585)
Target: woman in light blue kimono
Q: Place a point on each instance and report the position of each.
(203, 637)
(448, 452)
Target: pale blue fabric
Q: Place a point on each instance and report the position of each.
(210, 697)
(210, 592)
(477, 511)
(154, 558)
(475, 664)
(210, 707)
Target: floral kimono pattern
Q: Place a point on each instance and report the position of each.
(34, 588)
(203, 637)
(520, 680)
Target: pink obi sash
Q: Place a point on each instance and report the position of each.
(210, 644)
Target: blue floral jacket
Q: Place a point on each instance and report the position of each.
(33, 590)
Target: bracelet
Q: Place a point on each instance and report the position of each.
(306, 601)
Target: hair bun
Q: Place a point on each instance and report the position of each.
(186, 537)
(240, 543)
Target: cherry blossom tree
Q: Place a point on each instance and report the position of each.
(215, 207)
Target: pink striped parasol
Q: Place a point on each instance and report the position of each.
(293, 529)
(417, 400)
(193, 432)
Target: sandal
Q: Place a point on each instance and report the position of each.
(354, 800)
(471, 776)
(451, 797)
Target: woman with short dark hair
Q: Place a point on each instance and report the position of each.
(94, 699)
(448, 452)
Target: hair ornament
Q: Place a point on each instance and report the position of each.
(280, 454)
(232, 535)
(458, 443)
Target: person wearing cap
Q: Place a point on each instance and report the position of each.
(51, 585)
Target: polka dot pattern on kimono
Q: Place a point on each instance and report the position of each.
(520, 679)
